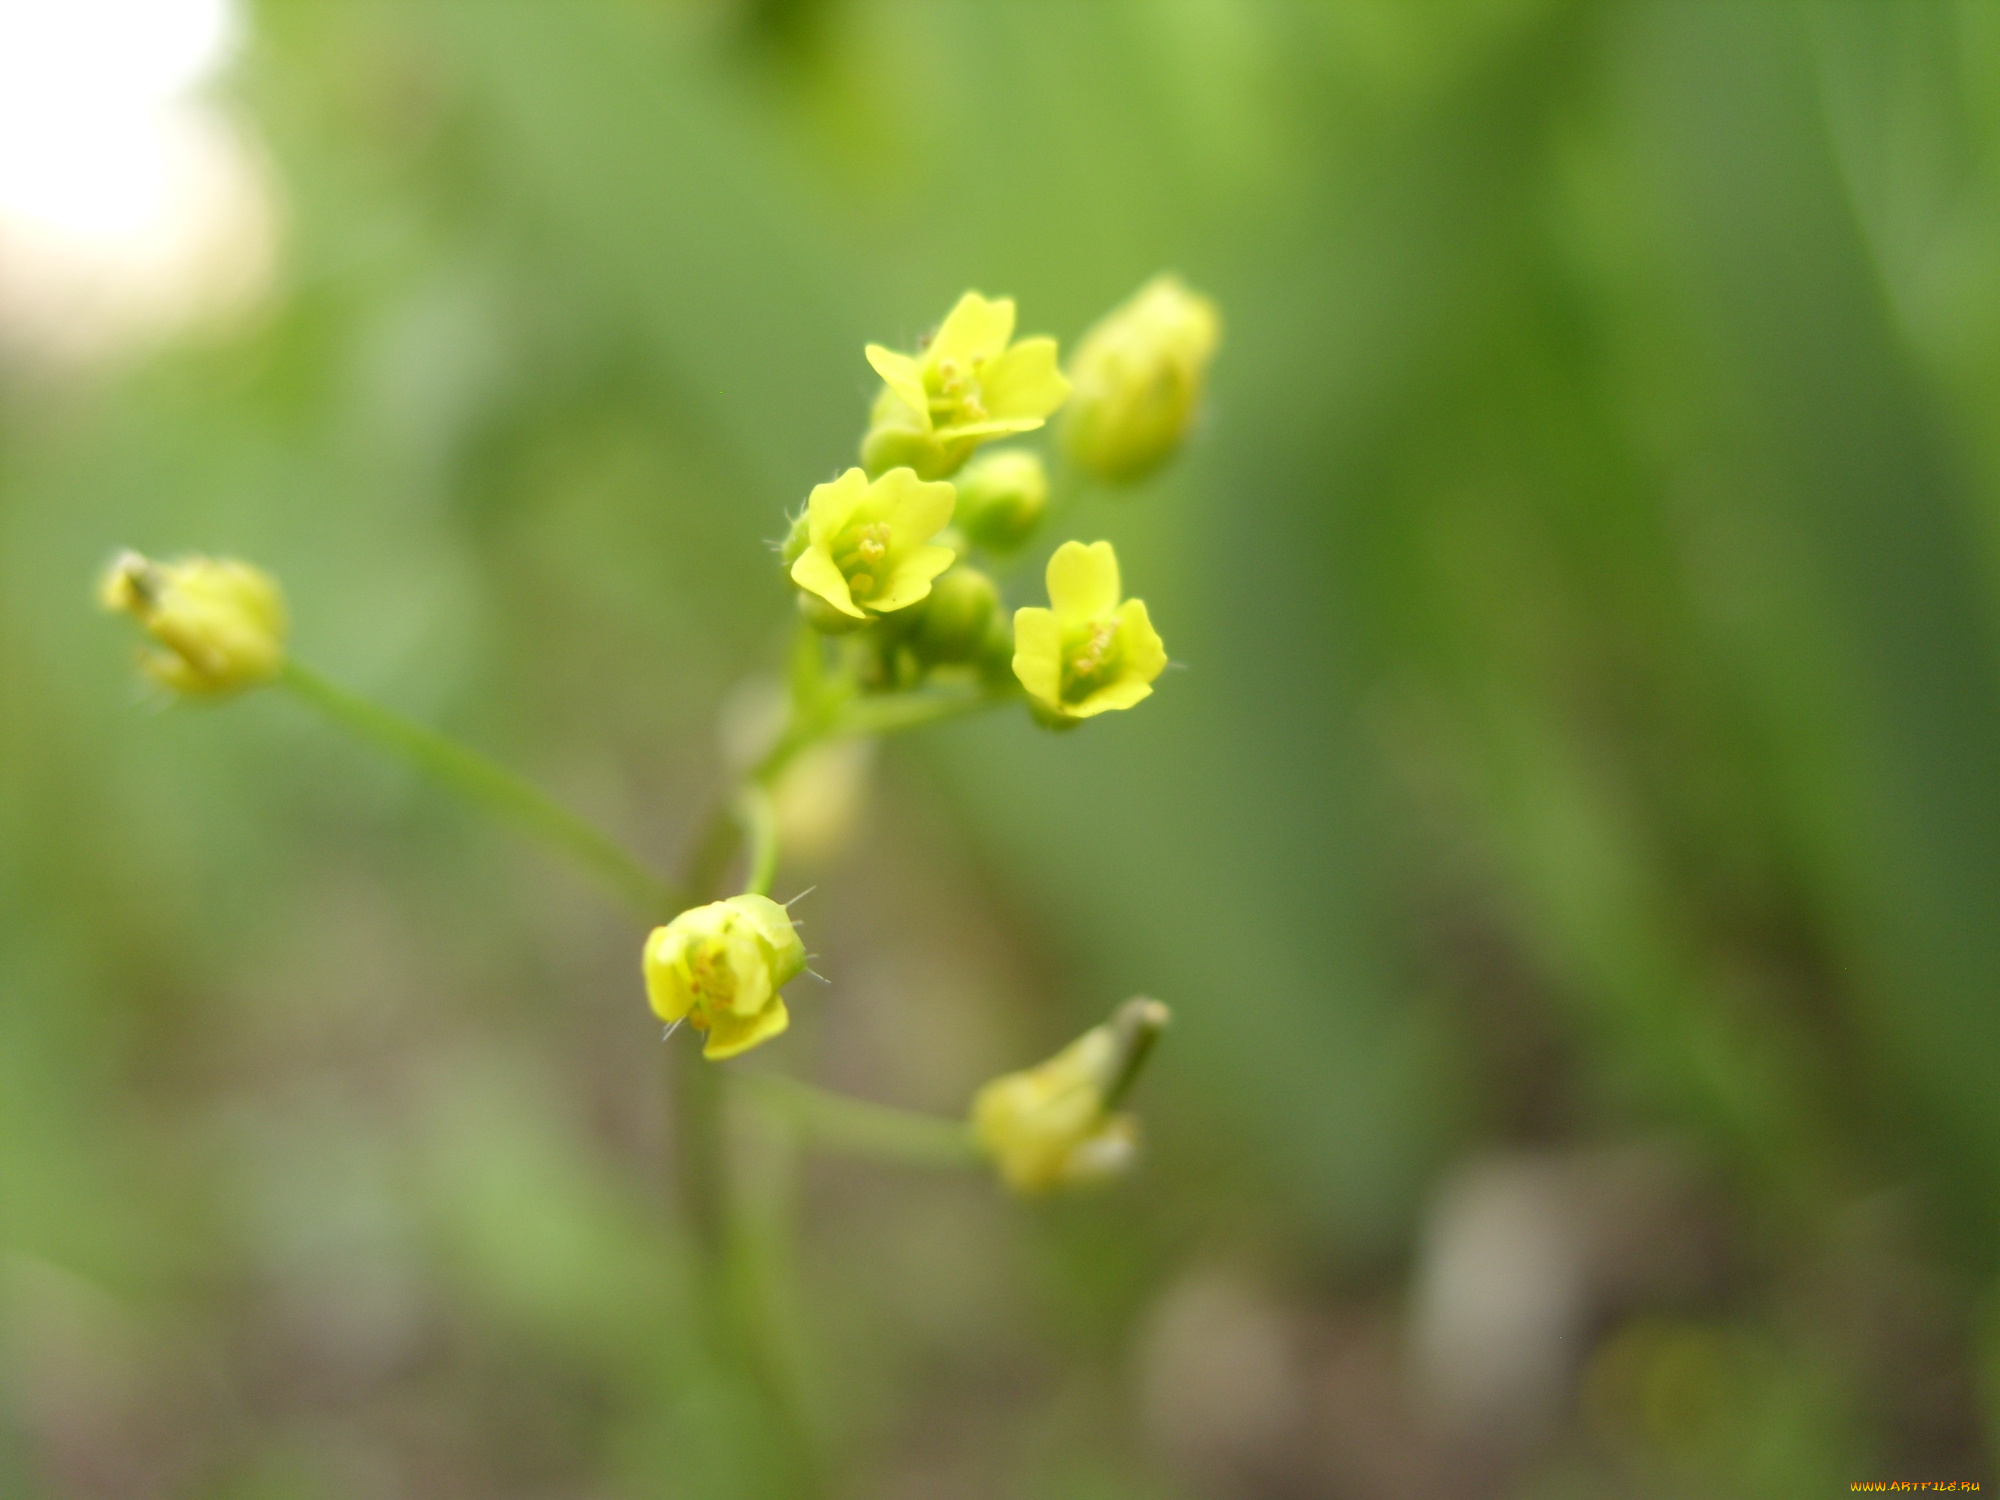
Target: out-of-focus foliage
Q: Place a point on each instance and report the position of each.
(1572, 852)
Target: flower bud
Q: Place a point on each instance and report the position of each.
(1137, 378)
(1001, 496)
(720, 968)
(957, 616)
(221, 622)
(1053, 1126)
(824, 618)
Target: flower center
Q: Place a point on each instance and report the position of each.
(709, 976)
(1091, 659)
(955, 391)
(862, 558)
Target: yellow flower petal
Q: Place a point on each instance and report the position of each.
(1083, 581)
(1025, 381)
(832, 505)
(1000, 427)
(1123, 693)
(665, 988)
(729, 1035)
(1038, 654)
(911, 505)
(816, 574)
(1145, 652)
(974, 329)
(905, 377)
(911, 579)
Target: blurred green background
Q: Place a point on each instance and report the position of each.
(1572, 853)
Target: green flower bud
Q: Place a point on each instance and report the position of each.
(824, 618)
(1137, 378)
(957, 617)
(1001, 496)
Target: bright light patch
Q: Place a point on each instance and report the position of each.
(127, 205)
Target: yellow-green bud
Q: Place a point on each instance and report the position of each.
(824, 618)
(1001, 497)
(720, 967)
(1054, 1125)
(957, 616)
(221, 623)
(1137, 378)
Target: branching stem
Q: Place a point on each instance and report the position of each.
(491, 786)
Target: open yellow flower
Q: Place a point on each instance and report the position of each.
(1138, 376)
(969, 386)
(221, 623)
(868, 545)
(720, 967)
(1088, 653)
(1053, 1125)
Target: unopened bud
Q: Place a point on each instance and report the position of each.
(1137, 378)
(957, 617)
(1002, 494)
(220, 623)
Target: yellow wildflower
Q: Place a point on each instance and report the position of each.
(1138, 375)
(868, 545)
(221, 623)
(1054, 1125)
(720, 967)
(1089, 653)
(969, 386)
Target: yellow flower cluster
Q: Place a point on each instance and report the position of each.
(885, 558)
(883, 552)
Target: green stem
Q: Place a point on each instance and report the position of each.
(760, 829)
(839, 1123)
(494, 788)
(896, 712)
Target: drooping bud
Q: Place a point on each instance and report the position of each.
(1056, 1125)
(1137, 379)
(720, 968)
(221, 624)
(1001, 497)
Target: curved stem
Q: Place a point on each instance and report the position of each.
(494, 788)
(840, 1123)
